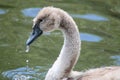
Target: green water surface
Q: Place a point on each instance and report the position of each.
(16, 27)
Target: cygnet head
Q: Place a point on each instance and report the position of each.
(48, 19)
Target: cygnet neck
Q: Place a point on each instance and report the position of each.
(69, 54)
(71, 47)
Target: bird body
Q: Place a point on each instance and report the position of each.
(51, 18)
(104, 73)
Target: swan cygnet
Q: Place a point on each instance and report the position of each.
(51, 18)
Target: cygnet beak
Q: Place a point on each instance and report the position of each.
(35, 34)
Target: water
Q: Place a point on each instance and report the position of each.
(117, 59)
(98, 49)
(4, 45)
(30, 12)
(25, 73)
(90, 37)
(83, 36)
(27, 49)
(2, 11)
(92, 17)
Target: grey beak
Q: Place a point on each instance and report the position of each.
(35, 34)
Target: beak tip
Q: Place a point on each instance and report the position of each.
(28, 42)
(32, 38)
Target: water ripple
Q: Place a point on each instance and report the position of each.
(30, 12)
(90, 37)
(26, 73)
(2, 11)
(93, 17)
(117, 59)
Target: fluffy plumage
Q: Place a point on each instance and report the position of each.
(49, 19)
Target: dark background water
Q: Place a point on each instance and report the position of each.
(99, 26)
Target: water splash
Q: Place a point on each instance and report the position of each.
(26, 73)
(20, 77)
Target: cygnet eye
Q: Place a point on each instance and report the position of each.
(40, 20)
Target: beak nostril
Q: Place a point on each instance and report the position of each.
(33, 32)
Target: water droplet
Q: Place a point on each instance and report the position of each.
(27, 49)
(27, 61)
(27, 67)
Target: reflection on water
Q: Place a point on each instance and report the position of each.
(90, 37)
(83, 36)
(2, 11)
(117, 59)
(92, 17)
(4, 45)
(30, 12)
(26, 73)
